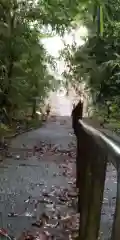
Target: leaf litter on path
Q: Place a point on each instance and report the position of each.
(60, 218)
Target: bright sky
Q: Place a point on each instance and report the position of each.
(60, 102)
(55, 44)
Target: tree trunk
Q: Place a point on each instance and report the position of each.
(34, 109)
(11, 20)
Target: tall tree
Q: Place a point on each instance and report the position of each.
(23, 59)
(97, 63)
(24, 73)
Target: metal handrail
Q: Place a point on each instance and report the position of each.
(109, 143)
(94, 149)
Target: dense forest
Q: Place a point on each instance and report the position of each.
(97, 62)
(25, 75)
(25, 65)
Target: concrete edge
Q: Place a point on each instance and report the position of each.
(25, 131)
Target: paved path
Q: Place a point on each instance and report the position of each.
(22, 181)
(56, 132)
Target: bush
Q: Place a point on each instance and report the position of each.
(34, 123)
(4, 129)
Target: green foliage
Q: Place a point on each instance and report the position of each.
(34, 123)
(97, 64)
(4, 130)
(25, 78)
(24, 74)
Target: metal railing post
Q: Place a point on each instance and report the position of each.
(84, 184)
(98, 180)
(94, 149)
(84, 203)
(92, 170)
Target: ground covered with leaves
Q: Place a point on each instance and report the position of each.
(38, 186)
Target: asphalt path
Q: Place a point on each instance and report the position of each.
(25, 176)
